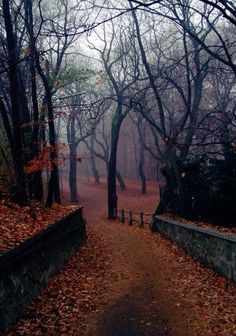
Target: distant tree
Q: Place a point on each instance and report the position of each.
(49, 67)
(217, 17)
(79, 127)
(140, 122)
(175, 129)
(115, 60)
(99, 147)
(93, 162)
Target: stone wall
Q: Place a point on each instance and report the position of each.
(25, 270)
(215, 250)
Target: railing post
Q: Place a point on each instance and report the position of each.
(153, 222)
(141, 223)
(122, 216)
(130, 218)
(115, 213)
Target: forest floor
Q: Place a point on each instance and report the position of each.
(126, 281)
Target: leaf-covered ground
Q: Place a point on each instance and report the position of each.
(226, 230)
(71, 297)
(19, 223)
(127, 281)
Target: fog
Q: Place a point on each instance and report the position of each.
(122, 90)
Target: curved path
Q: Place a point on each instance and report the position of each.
(126, 281)
(137, 302)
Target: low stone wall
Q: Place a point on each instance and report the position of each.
(215, 250)
(25, 270)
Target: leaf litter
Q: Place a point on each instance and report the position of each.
(66, 306)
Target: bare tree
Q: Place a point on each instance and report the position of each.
(218, 18)
(140, 123)
(99, 146)
(175, 128)
(14, 135)
(114, 54)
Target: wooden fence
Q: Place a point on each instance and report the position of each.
(134, 217)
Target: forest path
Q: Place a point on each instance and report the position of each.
(127, 281)
(137, 300)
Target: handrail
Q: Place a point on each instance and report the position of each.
(141, 220)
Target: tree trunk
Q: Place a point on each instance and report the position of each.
(71, 137)
(167, 193)
(17, 152)
(94, 169)
(121, 181)
(36, 184)
(142, 139)
(53, 188)
(112, 197)
(54, 183)
(135, 155)
(141, 170)
(73, 176)
(172, 199)
(179, 183)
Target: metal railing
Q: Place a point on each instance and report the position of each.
(134, 217)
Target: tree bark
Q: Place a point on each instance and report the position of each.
(36, 183)
(17, 150)
(94, 169)
(112, 196)
(142, 138)
(120, 181)
(71, 137)
(54, 183)
(141, 169)
(73, 176)
(93, 161)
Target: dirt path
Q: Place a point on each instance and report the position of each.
(136, 302)
(126, 281)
